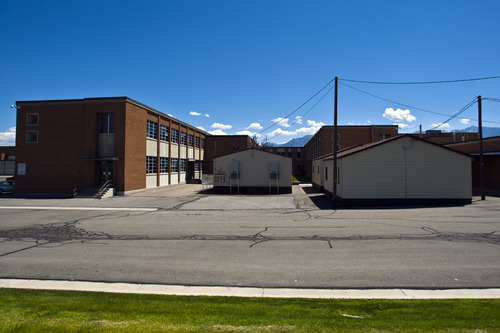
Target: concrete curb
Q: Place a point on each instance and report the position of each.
(157, 289)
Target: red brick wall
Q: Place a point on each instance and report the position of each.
(322, 142)
(222, 145)
(53, 165)
(134, 166)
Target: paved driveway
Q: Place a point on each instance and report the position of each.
(181, 235)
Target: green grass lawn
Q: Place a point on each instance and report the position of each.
(61, 311)
(302, 179)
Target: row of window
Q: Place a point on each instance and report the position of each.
(380, 137)
(185, 139)
(176, 164)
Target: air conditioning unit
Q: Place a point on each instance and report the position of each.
(274, 170)
(235, 169)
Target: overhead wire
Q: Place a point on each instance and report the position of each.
(312, 107)
(297, 109)
(491, 99)
(416, 108)
(423, 82)
(462, 110)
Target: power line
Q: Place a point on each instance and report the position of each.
(457, 113)
(297, 109)
(419, 109)
(312, 107)
(491, 99)
(388, 100)
(424, 82)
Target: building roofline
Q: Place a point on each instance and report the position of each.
(113, 99)
(458, 143)
(347, 126)
(355, 150)
(257, 149)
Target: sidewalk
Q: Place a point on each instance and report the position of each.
(157, 289)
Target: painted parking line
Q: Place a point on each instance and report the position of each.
(80, 208)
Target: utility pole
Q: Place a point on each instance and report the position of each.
(481, 158)
(334, 194)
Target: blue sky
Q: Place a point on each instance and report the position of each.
(237, 67)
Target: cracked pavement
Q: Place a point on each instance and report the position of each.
(296, 240)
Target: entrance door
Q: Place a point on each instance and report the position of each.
(190, 171)
(105, 170)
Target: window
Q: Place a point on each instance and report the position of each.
(338, 137)
(163, 164)
(174, 165)
(32, 119)
(151, 164)
(383, 136)
(197, 166)
(183, 165)
(183, 138)
(31, 136)
(164, 132)
(152, 130)
(191, 140)
(202, 143)
(298, 154)
(106, 123)
(197, 142)
(290, 153)
(175, 136)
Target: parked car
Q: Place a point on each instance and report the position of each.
(7, 186)
(10, 178)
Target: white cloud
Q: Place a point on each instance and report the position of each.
(312, 123)
(464, 121)
(255, 126)
(279, 131)
(307, 130)
(207, 115)
(221, 126)
(218, 132)
(250, 134)
(8, 138)
(399, 115)
(446, 125)
(201, 127)
(282, 122)
(402, 126)
(168, 114)
(194, 113)
(298, 119)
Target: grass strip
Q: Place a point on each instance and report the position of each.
(64, 311)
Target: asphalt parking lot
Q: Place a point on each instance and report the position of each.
(186, 236)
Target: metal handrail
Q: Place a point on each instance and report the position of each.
(104, 187)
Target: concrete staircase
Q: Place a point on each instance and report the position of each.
(104, 191)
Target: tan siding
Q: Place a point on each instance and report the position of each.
(254, 168)
(375, 173)
(437, 173)
(405, 168)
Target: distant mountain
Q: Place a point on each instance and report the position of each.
(487, 131)
(297, 142)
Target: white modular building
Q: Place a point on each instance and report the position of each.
(399, 171)
(253, 171)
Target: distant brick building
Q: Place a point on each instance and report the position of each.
(442, 138)
(348, 136)
(220, 145)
